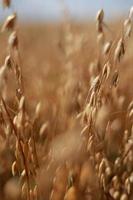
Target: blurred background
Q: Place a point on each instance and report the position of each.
(52, 10)
(43, 25)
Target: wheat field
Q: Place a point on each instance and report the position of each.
(66, 109)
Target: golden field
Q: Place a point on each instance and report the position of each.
(66, 112)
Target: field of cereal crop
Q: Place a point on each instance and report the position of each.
(66, 109)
